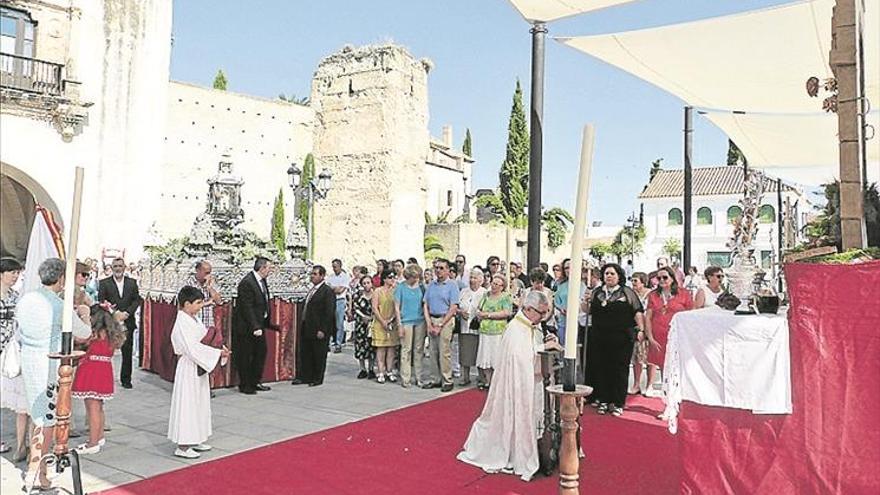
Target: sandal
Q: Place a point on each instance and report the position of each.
(381, 378)
(392, 378)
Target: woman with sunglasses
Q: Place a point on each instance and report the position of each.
(706, 296)
(664, 302)
(616, 316)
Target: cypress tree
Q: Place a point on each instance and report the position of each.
(220, 80)
(466, 147)
(514, 175)
(277, 236)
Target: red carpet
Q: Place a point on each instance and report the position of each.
(412, 451)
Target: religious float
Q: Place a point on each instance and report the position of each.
(218, 237)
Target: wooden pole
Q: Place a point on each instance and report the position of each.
(846, 28)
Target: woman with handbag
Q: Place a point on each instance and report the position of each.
(469, 339)
(12, 395)
(494, 310)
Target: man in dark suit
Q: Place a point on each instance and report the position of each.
(250, 321)
(318, 324)
(123, 293)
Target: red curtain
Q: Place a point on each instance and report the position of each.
(158, 355)
(831, 441)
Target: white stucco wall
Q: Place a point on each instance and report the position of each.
(261, 136)
(120, 51)
(439, 181)
(705, 238)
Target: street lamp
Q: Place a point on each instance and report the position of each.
(310, 191)
(633, 221)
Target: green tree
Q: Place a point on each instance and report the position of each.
(433, 248)
(277, 235)
(734, 155)
(302, 206)
(824, 230)
(672, 247)
(292, 98)
(599, 250)
(628, 241)
(467, 146)
(555, 222)
(220, 80)
(513, 192)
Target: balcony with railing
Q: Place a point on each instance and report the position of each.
(30, 75)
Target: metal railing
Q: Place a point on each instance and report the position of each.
(30, 74)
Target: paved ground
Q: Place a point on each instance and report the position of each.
(137, 448)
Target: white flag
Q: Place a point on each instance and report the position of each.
(43, 244)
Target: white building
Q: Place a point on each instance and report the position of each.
(716, 195)
(448, 179)
(79, 82)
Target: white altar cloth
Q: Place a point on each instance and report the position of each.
(717, 358)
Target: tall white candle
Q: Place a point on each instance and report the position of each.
(72, 241)
(577, 244)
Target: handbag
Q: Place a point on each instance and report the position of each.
(475, 321)
(10, 360)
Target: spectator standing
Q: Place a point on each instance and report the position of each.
(339, 281)
(408, 309)
(384, 327)
(494, 310)
(469, 340)
(440, 307)
(123, 295)
(363, 314)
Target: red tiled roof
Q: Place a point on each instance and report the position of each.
(706, 182)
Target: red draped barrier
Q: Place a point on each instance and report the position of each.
(158, 356)
(831, 441)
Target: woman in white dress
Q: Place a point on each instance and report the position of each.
(12, 394)
(469, 340)
(708, 294)
(493, 310)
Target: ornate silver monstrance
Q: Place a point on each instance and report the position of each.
(744, 267)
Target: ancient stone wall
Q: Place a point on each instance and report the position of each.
(371, 132)
(262, 137)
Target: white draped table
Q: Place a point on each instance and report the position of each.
(717, 358)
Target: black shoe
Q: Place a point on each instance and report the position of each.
(297, 381)
(371, 375)
(363, 374)
(446, 387)
(262, 388)
(126, 385)
(315, 384)
(337, 349)
(429, 385)
(247, 391)
(213, 394)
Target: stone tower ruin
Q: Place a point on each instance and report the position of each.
(371, 132)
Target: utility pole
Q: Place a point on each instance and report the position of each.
(844, 58)
(536, 146)
(688, 186)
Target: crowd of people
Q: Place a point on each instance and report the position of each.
(31, 325)
(425, 327)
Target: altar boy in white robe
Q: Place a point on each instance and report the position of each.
(505, 436)
(189, 425)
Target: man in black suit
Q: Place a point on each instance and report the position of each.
(123, 293)
(318, 324)
(250, 321)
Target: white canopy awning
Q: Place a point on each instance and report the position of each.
(755, 64)
(551, 10)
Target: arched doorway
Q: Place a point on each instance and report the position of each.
(19, 195)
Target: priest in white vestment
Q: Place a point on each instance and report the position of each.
(505, 436)
(189, 425)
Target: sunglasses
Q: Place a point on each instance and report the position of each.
(663, 278)
(719, 275)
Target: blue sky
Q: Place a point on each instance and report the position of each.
(479, 49)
